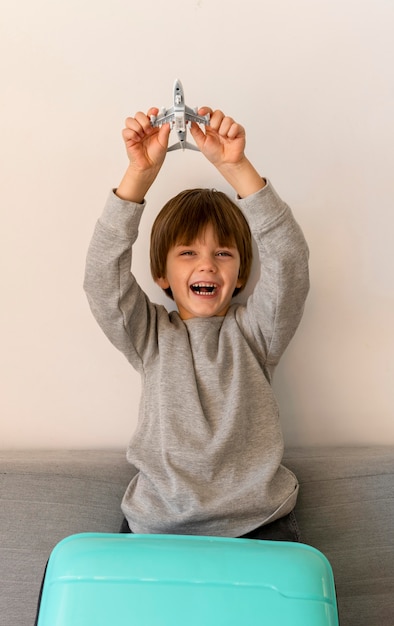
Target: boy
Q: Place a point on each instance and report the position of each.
(208, 446)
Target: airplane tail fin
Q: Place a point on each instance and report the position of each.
(175, 146)
(185, 145)
(191, 146)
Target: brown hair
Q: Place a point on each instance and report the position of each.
(185, 217)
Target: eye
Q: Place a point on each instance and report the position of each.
(224, 253)
(186, 253)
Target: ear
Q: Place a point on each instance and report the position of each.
(240, 283)
(163, 282)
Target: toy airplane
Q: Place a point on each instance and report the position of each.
(179, 116)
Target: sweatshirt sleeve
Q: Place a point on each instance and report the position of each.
(121, 308)
(274, 310)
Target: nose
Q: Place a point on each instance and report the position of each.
(207, 263)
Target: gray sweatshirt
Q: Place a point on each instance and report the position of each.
(208, 446)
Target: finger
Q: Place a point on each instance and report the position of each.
(216, 119)
(131, 136)
(133, 124)
(163, 134)
(152, 111)
(132, 129)
(225, 125)
(235, 130)
(229, 128)
(197, 134)
(205, 111)
(144, 121)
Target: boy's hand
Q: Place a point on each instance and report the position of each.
(223, 144)
(223, 140)
(146, 146)
(146, 149)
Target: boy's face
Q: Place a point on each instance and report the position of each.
(202, 276)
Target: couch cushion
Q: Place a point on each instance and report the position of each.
(46, 496)
(346, 510)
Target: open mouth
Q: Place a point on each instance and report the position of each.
(204, 289)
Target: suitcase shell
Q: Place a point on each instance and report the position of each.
(171, 580)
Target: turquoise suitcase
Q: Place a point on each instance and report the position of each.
(180, 580)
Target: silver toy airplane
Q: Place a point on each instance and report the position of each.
(179, 116)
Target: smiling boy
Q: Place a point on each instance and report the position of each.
(201, 252)
(202, 276)
(207, 451)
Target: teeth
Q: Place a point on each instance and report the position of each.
(203, 289)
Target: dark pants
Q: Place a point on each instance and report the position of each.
(282, 529)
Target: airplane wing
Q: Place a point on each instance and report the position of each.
(163, 118)
(191, 116)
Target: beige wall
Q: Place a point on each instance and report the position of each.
(313, 83)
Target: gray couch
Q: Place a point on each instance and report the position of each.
(345, 509)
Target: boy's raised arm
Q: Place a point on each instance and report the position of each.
(146, 149)
(223, 144)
